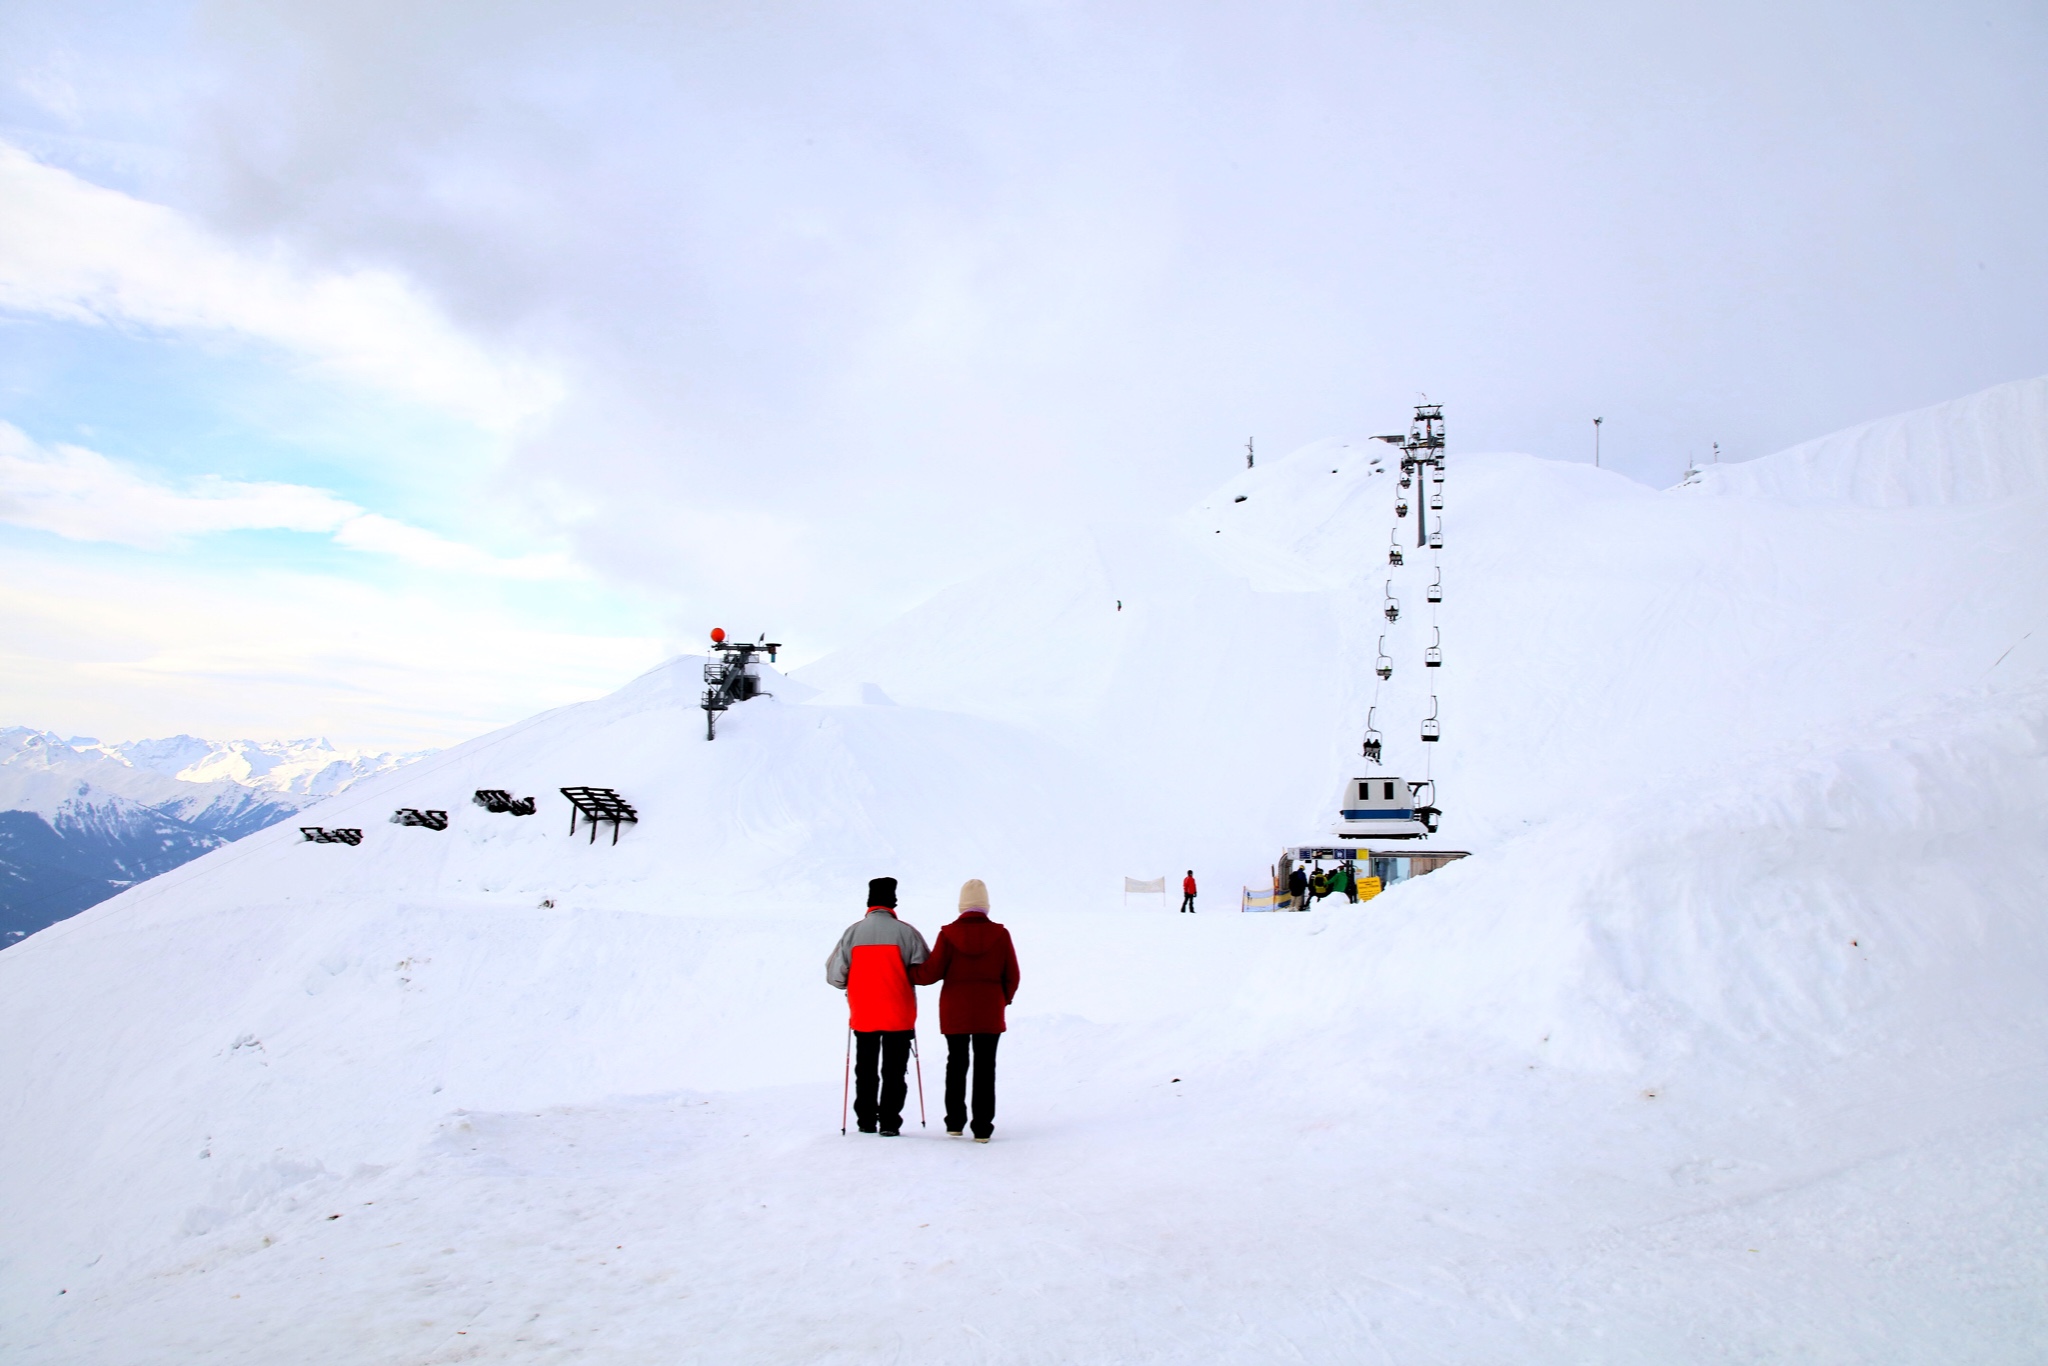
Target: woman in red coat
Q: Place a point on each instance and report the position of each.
(978, 964)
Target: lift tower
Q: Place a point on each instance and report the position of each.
(729, 675)
(1423, 448)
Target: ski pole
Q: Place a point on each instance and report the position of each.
(916, 1058)
(846, 1083)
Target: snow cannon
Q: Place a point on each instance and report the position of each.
(718, 635)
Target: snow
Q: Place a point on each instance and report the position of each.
(1726, 1044)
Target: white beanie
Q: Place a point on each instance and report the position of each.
(973, 895)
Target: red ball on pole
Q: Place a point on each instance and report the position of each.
(717, 635)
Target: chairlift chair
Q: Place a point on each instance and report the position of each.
(1401, 508)
(1436, 590)
(1433, 657)
(1372, 736)
(1393, 607)
(1436, 538)
(1436, 474)
(1436, 502)
(1385, 667)
(1423, 794)
(1431, 730)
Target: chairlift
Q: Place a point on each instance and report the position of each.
(1385, 667)
(1423, 795)
(1393, 607)
(1436, 473)
(1436, 502)
(1372, 736)
(1436, 590)
(1433, 657)
(1401, 508)
(1378, 808)
(1436, 538)
(1406, 481)
(1394, 556)
(1431, 730)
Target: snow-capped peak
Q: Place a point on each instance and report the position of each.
(306, 768)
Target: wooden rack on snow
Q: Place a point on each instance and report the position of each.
(598, 804)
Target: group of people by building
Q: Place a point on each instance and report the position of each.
(1306, 887)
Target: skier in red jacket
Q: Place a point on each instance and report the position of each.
(976, 960)
(1187, 892)
(872, 964)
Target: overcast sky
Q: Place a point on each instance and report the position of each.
(390, 371)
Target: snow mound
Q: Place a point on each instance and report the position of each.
(1988, 446)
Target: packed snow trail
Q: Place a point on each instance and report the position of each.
(1728, 1044)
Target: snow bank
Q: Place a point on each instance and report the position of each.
(1978, 449)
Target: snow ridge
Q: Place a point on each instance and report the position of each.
(1988, 446)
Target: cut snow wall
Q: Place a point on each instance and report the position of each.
(1978, 449)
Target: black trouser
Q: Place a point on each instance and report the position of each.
(983, 1048)
(893, 1046)
(1187, 901)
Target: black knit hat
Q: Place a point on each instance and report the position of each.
(882, 892)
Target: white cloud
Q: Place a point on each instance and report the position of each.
(76, 251)
(382, 536)
(82, 495)
(94, 648)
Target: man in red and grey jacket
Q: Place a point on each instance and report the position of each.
(872, 964)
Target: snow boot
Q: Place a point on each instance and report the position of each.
(954, 1133)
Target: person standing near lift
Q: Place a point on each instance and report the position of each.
(976, 960)
(872, 964)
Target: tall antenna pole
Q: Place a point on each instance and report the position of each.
(1596, 441)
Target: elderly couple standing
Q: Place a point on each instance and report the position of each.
(879, 963)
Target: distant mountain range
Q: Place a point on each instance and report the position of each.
(81, 820)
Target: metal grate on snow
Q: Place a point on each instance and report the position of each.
(429, 820)
(599, 804)
(316, 834)
(501, 803)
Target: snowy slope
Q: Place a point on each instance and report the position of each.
(1727, 1044)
